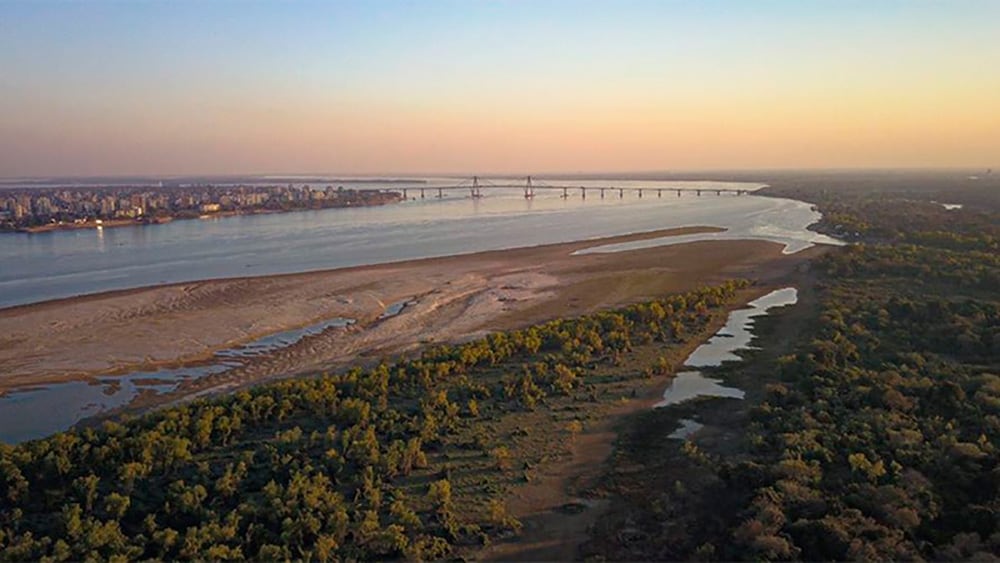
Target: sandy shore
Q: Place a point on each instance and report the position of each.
(455, 298)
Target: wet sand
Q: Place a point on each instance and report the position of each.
(455, 298)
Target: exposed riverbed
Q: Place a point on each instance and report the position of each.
(37, 412)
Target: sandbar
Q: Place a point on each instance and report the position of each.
(452, 298)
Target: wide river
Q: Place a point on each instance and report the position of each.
(43, 266)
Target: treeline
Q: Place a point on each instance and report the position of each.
(876, 219)
(342, 466)
(878, 438)
(881, 439)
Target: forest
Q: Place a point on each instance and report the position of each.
(407, 460)
(873, 433)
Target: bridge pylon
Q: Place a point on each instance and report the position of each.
(474, 190)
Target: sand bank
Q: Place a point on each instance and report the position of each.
(452, 298)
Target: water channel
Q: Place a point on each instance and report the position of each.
(736, 335)
(37, 412)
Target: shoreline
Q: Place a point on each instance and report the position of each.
(105, 224)
(628, 237)
(579, 478)
(97, 338)
(143, 222)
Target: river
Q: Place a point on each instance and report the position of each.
(44, 266)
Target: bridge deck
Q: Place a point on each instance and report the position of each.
(476, 189)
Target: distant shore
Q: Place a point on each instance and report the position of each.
(99, 224)
(158, 220)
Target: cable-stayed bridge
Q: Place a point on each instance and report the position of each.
(477, 187)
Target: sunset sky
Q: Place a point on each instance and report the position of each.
(167, 87)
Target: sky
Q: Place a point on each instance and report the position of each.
(90, 87)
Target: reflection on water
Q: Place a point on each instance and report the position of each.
(396, 308)
(690, 384)
(786, 224)
(686, 429)
(36, 413)
(272, 342)
(734, 336)
(738, 332)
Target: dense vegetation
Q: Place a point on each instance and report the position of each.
(881, 441)
(405, 460)
(877, 437)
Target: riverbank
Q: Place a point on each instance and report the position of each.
(98, 224)
(658, 483)
(454, 298)
(447, 440)
(386, 199)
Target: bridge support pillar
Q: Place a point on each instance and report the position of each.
(476, 194)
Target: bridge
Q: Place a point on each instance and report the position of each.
(477, 186)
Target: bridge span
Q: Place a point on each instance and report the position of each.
(477, 186)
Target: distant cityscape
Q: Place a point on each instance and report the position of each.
(45, 209)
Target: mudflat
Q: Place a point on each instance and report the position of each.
(450, 299)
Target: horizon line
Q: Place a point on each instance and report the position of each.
(495, 174)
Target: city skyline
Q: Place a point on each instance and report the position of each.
(183, 88)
